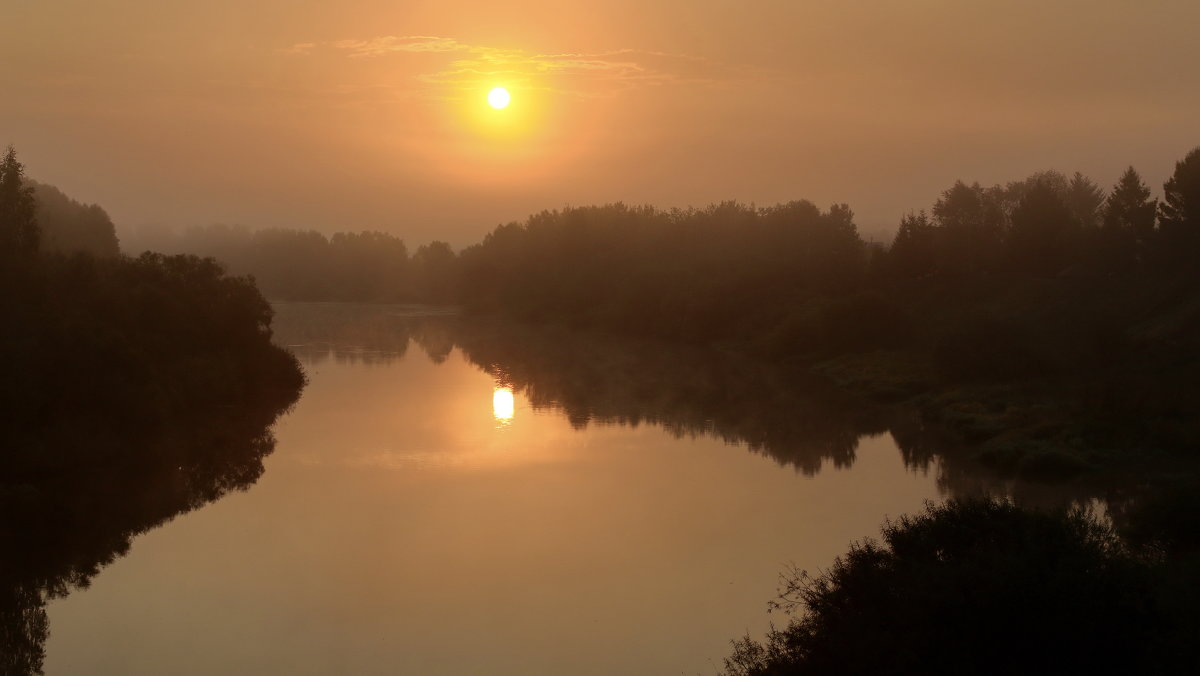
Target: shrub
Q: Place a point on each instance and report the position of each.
(970, 587)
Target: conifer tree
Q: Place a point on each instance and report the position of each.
(914, 251)
(1128, 221)
(1179, 212)
(18, 222)
(1084, 198)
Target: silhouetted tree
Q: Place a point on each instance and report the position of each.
(433, 272)
(1013, 193)
(1179, 212)
(1128, 222)
(971, 222)
(915, 249)
(296, 265)
(1084, 199)
(68, 226)
(368, 265)
(1042, 231)
(18, 210)
(688, 274)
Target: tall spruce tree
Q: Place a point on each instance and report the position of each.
(1084, 198)
(1179, 212)
(1121, 242)
(1129, 206)
(18, 210)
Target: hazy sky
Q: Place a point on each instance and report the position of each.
(371, 114)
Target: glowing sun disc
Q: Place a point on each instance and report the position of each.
(498, 98)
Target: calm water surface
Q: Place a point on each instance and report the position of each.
(441, 505)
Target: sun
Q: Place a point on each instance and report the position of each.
(499, 98)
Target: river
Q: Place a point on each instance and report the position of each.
(501, 500)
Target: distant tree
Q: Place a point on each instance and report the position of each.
(1129, 207)
(1179, 212)
(1016, 191)
(805, 248)
(1084, 199)
(18, 211)
(433, 272)
(368, 265)
(1042, 232)
(841, 216)
(68, 226)
(1128, 222)
(289, 264)
(914, 251)
(972, 228)
(696, 274)
(843, 246)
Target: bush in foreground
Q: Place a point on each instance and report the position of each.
(974, 587)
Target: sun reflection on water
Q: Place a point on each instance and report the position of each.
(503, 405)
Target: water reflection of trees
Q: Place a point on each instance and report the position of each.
(687, 391)
(62, 521)
(359, 333)
(592, 378)
(597, 379)
(787, 415)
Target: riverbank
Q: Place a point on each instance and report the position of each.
(1048, 380)
(134, 390)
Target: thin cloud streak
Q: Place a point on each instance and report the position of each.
(388, 44)
(580, 74)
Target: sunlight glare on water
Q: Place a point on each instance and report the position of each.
(503, 404)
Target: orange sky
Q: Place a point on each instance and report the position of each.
(368, 114)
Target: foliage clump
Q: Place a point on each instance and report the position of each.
(974, 587)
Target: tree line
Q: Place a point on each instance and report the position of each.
(1048, 223)
(702, 274)
(695, 273)
(298, 265)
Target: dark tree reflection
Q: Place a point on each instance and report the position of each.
(134, 390)
(689, 392)
(796, 419)
(791, 416)
(359, 332)
(60, 528)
